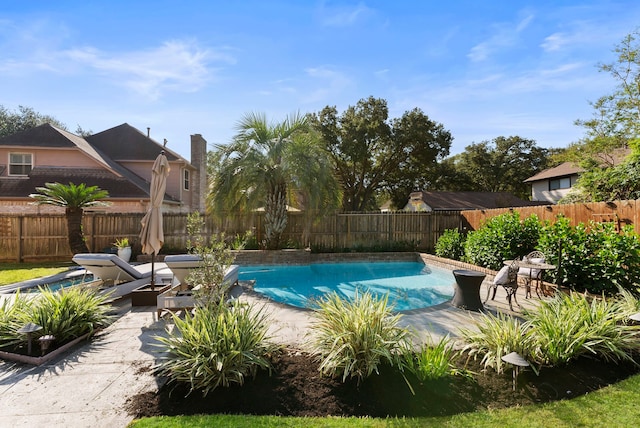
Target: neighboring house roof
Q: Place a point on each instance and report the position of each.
(458, 201)
(566, 169)
(106, 148)
(563, 170)
(126, 143)
(118, 187)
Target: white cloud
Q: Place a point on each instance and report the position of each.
(328, 82)
(505, 35)
(342, 16)
(174, 66)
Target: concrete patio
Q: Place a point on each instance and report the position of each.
(90, 385)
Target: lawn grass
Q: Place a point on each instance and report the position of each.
(17, 272)
(613, 406)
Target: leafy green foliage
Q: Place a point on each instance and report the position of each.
(73, 198)
(271, 166)
(500, 238)
(69, 313)
(557, 331)
(372, 154)
(353, 338)
(219, 345)
(24, 119)
(563, 328)
(500, 165)
(434, 361)
(451, 245)
(495, 337)
(65, 314)
(593, 258)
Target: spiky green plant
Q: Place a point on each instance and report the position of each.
(495, 337)
(69, 313)
(569, 326)
(434, 361)
(353, 338)
(219, 345)
(11, 317)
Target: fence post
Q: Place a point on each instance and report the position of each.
(20, 238)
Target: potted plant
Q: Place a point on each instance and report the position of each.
(124, 248)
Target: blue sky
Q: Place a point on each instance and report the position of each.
(482, 69)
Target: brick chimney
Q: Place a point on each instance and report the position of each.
(199, 161)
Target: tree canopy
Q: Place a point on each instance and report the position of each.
(23, 119)
(271, 166)
(615, 124)
(500, 165)
(373, 155)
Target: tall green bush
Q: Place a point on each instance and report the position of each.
(592, 257)
(451, 245)
(500, 238)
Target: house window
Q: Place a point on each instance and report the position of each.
(20, 163)
(186, 179)
(560, 183)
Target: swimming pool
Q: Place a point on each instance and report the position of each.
(409, 285)
(53, 283)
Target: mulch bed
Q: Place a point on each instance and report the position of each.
(295, 388)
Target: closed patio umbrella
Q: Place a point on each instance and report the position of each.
(152, 234)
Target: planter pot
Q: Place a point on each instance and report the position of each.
(124, 253)
(145, 296)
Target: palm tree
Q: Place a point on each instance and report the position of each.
(74, 199)
(272, 165)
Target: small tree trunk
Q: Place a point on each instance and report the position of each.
(275, 218)
(74, 230)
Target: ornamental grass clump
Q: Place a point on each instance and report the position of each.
(569, 326)
(219, 345)
(497, 336)
(11, 318)
(69, 313)
(434, 361)
(354, 338)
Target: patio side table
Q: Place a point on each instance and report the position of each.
(467, 289)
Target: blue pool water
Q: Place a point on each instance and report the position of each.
(409, 285)
(53, 285)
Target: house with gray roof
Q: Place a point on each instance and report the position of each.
(118, 160)
(461, 201)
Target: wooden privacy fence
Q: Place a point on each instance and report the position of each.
(43, 237)
(620, 213)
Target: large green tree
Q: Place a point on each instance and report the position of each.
(74, 199)
(272, 165)
(375, 156)
(500, 165)
(23, 119)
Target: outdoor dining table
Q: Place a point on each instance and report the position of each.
(532, 265)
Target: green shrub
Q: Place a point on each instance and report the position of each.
(568, 326)
(12, 316)
(353, 338)
(69, 313)
(433, 361)
(557, 331)
(496, 336)
(593, 258)
(500, 238)
(219, 345)
(451, 245)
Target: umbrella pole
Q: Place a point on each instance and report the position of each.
(153, 273)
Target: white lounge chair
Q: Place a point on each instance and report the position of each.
(182, 264)
(113, 270)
